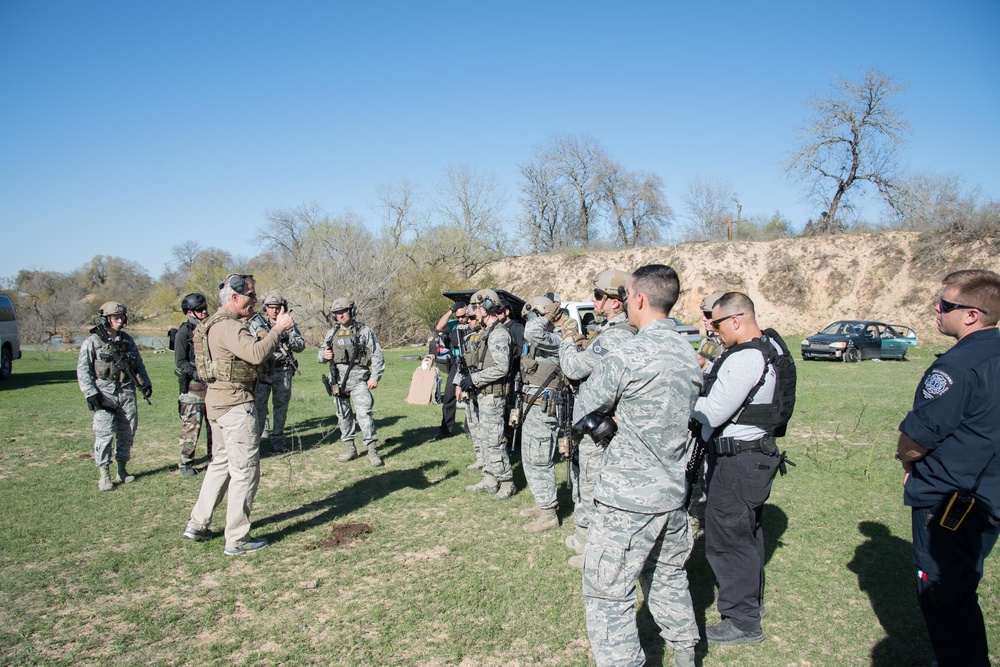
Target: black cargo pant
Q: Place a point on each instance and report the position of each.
(737, 487)
(448, 403)
(949, 567)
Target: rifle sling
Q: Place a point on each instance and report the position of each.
(531, 401)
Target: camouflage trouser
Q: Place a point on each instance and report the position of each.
(277, 384)
(584, 475)
(496, 462)
(360, 416)
(118, 424)
(192, 412)
(538, 448)
(472, 423)
(620, 546)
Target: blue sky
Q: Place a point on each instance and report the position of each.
(129, 127)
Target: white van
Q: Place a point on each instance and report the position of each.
(10, 338)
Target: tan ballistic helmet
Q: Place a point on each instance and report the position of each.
(708, 303)
(275, 299)
(539, 305)
(613, 282)
(488, 299)
(341, 304)
(113, 308)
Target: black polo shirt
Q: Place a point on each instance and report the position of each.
(956, 415)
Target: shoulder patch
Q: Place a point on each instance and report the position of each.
(598, 348)
(937, 384)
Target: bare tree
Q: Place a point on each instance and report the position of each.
(286, 230)
(636, 206)
(852, 141)
(398, 202)
(472, 232)
(547, 209)
(114, 278)
(577, 160)
(708, 203)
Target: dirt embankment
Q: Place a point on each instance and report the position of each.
(798, 285)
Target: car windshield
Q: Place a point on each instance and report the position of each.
(843, 328)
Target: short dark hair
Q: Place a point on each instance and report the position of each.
(979, 288)
(659, 283)
(736, 302)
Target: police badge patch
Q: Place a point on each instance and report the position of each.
(937, 384)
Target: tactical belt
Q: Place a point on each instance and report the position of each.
(732, 446)
(495, 389)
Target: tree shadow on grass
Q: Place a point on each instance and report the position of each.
(361, 493)
(883, 564)
(20, 380)
(317, 431)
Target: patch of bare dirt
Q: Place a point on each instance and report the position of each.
(342, 534)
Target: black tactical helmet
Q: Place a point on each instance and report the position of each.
(193, 301)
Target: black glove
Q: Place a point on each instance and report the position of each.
(466, 384)
(94, 403)
(147, 390)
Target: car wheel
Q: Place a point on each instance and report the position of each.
(852, 355)
(6, 361)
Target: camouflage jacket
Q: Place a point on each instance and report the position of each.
(650, 384)
(362, 335)
(578, 364)
(260, 325)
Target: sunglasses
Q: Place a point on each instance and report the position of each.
(948, 306)
(715, 323)
(707, 314)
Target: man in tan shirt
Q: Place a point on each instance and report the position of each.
(233, 358)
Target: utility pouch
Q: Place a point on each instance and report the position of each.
(959, 506)
(724, 446)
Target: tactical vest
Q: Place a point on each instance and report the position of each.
(771, 417)
(346, 343)
(535, 371)
(478, 357)
(104, 368)
(233, 370)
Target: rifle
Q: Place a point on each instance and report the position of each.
(121, 361)
(463, 368)
(515, 412)
(565, 442)
(695, 460)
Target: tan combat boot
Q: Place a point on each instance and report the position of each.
(547, 519)
(576, 561)
(577, 541)
(105, 483)
(505, 492)
(488, 484)
(373, 457)
(531, 512)
(349, 454)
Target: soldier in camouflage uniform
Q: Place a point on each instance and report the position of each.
(489, 361)
(276, 382)
(649, 384)
(471, 423)
(356, 366)
(191, 401)
(110, 392)
(577, 361)
(541, 379)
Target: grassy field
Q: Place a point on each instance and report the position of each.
(444, 577)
